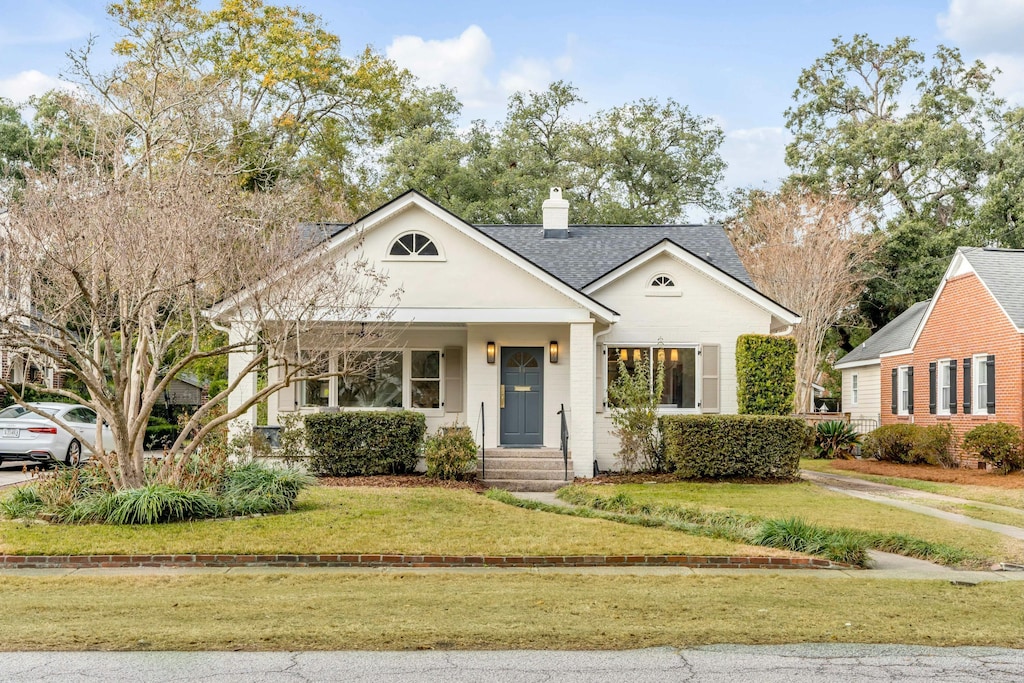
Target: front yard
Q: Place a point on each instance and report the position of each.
(816, 505)
(368, 520)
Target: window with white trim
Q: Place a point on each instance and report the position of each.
(903, 391)
(414, 245)
(680, 366)
(945, 382)
(370, 379)
(662, 284)
(315, 392)
(980, 388)
(425, 379)
(854, 389)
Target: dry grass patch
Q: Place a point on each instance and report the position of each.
(366, 520)
(817, 505)
(329, 611)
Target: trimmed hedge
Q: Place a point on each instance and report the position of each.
(911, 444)
(765, 374)
(723, 446)
(364, 442)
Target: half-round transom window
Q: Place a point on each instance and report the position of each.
(413, 244)
(662, 281)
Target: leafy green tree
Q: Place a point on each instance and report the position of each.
(15, 142)
(642, 162)
(905, 137)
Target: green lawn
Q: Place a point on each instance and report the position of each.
(985, 494)
(817, 505)
(331, 611)
(368, 520)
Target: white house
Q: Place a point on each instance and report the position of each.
(862, 368)
(503, 325)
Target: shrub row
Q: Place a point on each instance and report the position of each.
(353, 443)
(996, 442)
(721, 446)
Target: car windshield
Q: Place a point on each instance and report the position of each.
(12, 412)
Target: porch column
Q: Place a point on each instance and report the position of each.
(237, 361)
(581, 397)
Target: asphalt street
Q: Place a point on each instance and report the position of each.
(713, 664)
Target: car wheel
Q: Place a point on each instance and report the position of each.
(74, 455)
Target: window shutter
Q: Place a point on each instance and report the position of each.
(990, 367)
(931, 388)
(453, 379)
(968, 389)
(895, 391)
(910, 390)
(600, 395)
(286, 396)
(710, 401)
(952, 387)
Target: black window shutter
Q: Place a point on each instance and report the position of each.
(910, 390)
(931, 388)
(895, 391)
(968, 389)
(990, 367)
(952, 387)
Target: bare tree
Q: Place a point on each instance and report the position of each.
(121, 271)
(805, 251)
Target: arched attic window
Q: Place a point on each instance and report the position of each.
(414, 245)
(662, 284)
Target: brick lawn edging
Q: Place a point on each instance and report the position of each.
(398, 561)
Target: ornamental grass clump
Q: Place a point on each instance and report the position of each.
(255, 488)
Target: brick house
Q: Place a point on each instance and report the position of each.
(963, 365)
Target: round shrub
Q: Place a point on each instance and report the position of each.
(253, 487)
(892, 443)
(451, 453)
(998, 443)
(934, 445)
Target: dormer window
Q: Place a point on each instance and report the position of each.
(662, 284)
(414, 245)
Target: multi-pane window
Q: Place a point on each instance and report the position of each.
(903, 377)
(425, 379)
(680, 367)
(980, 385)
(315, 392)
(943, 371)
(370, 380)
(854, 388)
(413, 244)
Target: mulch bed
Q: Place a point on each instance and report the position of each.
(933, 473)
(402, 481)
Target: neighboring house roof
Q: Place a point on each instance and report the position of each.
(893, 337)
(1002, 273)
(591, 251)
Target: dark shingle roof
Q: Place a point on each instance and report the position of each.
(1002, 271)
(893, 337)
(590, 251)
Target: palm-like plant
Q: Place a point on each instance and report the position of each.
(835, 439)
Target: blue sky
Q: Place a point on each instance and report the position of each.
(734, 60)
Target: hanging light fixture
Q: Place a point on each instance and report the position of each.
(674, 355)
(623, 355)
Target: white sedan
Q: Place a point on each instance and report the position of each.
(25, 435)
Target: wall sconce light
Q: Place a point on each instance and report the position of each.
(491, 352)
(675, 355)
(661, 355)
(553, 352)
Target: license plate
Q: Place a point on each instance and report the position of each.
(11, 433)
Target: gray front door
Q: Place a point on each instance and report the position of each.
(522, 391)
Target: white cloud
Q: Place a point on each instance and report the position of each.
(756, 157)
(464, 63)
(21, 86)
(985, 26)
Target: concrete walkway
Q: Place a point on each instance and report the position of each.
(895, 496)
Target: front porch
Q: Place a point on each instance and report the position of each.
(508, 380)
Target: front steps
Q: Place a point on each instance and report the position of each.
(525, 469)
